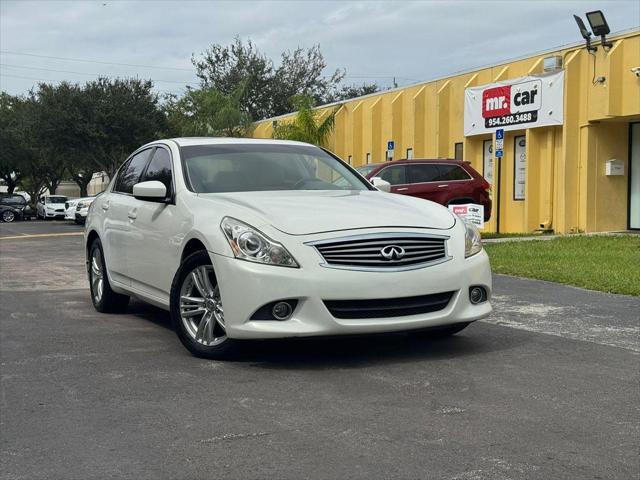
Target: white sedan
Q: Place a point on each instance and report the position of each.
(246, 239)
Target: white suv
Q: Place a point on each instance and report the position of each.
(245, 239)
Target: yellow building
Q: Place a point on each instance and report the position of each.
(581, 172)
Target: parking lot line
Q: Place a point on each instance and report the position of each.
(42, 235)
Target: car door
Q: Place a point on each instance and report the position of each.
(423, 180)
(155, 231)
(117, 224)
(396, 176)
(460, 185)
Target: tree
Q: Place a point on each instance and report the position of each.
(308, 125)
(209, 112)
(268, 88)
(347, 92)
(123, 114)
(13, 151)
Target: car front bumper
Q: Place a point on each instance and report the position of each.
(246, 286)
(54, 214)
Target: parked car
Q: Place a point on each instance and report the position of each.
(443, 181)
(51, 206)
(82, 209)
(14, 207)
(245, 239)
(70, 207)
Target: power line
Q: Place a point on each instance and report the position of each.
(48, 80)
(94, 61)
(83, 73)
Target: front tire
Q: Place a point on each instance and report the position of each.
(104, 299)
(8, 216)
(196, 309)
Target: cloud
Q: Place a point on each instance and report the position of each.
(373, 40)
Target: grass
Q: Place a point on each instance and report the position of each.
(487, 235)
(605, 263)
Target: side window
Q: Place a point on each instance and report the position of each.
(422, 173)
(394, 175)
(452, 172)
(130, 173)
(159, 169)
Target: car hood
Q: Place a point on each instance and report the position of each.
(305, 212)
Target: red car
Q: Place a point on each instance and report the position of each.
(443, 181)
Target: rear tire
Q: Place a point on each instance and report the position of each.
(440, 332)
(104, 299)
(196, 309)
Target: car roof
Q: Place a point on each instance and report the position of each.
(417, 160)
(189, 141)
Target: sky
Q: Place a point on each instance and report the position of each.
(374, 41)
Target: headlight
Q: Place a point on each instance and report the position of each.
(472, 239)
(250, 244)
(48, 207)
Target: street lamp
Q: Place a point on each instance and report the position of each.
(599, 27)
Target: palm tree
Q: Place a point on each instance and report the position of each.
(308, 125)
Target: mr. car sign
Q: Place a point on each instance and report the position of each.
(515, 104)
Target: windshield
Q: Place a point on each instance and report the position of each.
(56, 199)
(251, 167)
(366, 170)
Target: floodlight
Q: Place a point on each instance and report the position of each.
(586, 34)
(599, 26)
(598, 23)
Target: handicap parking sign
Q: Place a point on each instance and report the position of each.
(390, 145)
(500, 134)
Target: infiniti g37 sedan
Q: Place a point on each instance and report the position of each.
(254, 239)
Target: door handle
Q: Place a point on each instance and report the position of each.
(443, 186)
(105, 206)
(132, 214)
(402, 189)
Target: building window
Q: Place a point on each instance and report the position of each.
(349, 159)
(409, 153)
(458, 151)
(368, 158)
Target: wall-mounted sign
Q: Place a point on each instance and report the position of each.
(524, 102)
(519, 167)
(391, 145)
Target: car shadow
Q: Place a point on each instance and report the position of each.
(354, 351)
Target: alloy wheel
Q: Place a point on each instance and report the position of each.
(97, 275)
(201, 307)
(8, 216)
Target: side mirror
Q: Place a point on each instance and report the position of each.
(381, 184)
(152, 191)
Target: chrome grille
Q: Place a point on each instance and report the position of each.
(383, 251)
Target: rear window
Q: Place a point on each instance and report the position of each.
(423, 173)
(452, 172)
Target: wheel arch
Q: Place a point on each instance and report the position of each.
(92, 236)
(193, 245)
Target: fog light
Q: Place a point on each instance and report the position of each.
(281, 310)
(477, 295)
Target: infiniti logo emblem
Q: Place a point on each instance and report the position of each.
(392, 252)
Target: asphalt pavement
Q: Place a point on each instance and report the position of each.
(547, 388)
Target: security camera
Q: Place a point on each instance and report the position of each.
(636, 71)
